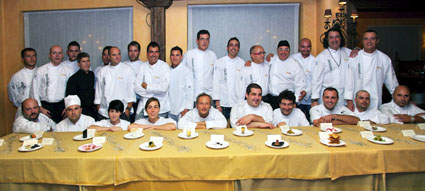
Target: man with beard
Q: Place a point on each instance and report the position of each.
(400, 110)
(229, 86)
(31, 119)
(153, 80)
(74, 121)
(367, 113)
(287, 114)
(254, 113)
(203, 116)
(330, 112)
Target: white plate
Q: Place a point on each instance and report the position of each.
(246, 134)
(285, 144)
(296, 132)
(91, 148)
(131, 136)
(419, 137)
(386, 141)
(145, 146)
(378, 129)
(80, 138)
(23, 149)
(215, 145)
(22, 139)
(333, 130)
(184, 136)
(326, 142)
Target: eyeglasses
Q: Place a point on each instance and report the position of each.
(259, 53)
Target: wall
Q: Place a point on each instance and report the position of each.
(12, 37)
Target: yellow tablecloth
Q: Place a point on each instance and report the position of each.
(121, 161)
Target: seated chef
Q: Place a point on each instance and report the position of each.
(329, 112)
(253, 112)
(400, 110)
(31, 119)
(364, 112)
(287, 114)
(203, 116)
(153, 121)
(114, 123)
(74, 121)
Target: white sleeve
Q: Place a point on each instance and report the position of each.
(161, 87)
(188, 100)
(234, 115)
(35, 86)
(130, 84)
(317, 80)
(349, 83)
(99, 90)
(11, 92)
(218, 121)
(187, 121)
(22, 125)
(216, 82)
(300, 80)
(315, 113)
(302, 119)
(390, 80)
(268, 114)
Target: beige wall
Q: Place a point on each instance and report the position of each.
(12, 37)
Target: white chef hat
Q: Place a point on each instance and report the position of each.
(72, 100)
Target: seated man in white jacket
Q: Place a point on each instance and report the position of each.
(31, 119)
(74, 121)
(287, 113)
(253, 112)
(203, 116)
(400, 110)
(366, 113)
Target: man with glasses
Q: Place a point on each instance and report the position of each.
(229, 84)
(201, 62)
(285, 74)
(258, 71)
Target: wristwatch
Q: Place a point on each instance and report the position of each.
(412, 119)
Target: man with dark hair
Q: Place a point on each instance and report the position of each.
(288, 114)
(31, 119)
(330, 112)
(400, 110)
(285, 73)
(331, 66)
(153, 80)
(74, 121)
(133, 49)
(49, 84)
(307, 61)
(72, 52)
(229, 84)
(115, 81)
(366, 113)
(203, 116)
(201, 62)
(369, 71)
(181, 86)
(105, 59)
(18, 88)
(82, 85)
(253, 112)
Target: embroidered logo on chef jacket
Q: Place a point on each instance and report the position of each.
(378, 67)
(62, 74)
(288, 73)
(120, 78)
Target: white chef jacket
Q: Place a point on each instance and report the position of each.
(370, 71)
(320, 110)
(295, 119)
(181, 89)
(242, 109)
(72, 65)
(259, 74)
(392, 108)
(286, 74)
(330, 71)
(49, 83)
(160, 121)
(134, 65)
(373, 115)
(229, 84)
(67, 126)
(157, 77)
(19, 86)
(107, 123)
(201, 63)
(114, 83)
(308, 67)
(215, 119)
(97, 70)
(23, 125)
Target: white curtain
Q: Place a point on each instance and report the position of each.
(93, 29)
(263, 24)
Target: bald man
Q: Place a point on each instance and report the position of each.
(400, 110)
(49, 84)
(365, 112)
(31, 119)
